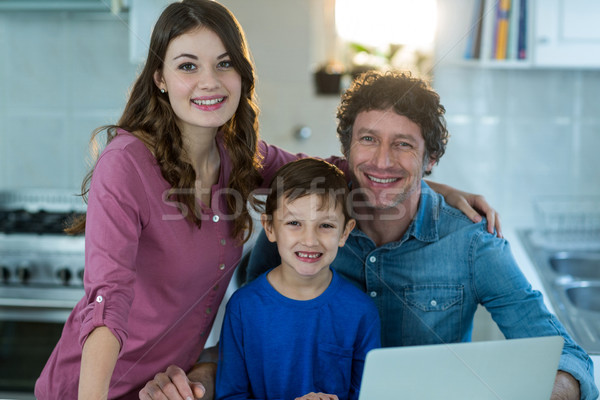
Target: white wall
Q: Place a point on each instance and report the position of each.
(61, 75)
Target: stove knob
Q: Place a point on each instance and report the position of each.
(24, 273)
(5, 273)
(64, 274)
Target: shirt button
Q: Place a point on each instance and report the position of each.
(208, 310)
(433, 303)
(372, 259)
(99, 299)
(373, 294)
(222, 267)
(215, 218)
(223, 242)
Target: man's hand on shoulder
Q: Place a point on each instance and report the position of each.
(566, 387)
(174, 384)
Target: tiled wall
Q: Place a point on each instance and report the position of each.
(521, 135)
(62, 75)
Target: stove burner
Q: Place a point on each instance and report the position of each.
(41, 267)
(40, 222)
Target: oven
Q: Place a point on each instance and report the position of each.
(41, 280)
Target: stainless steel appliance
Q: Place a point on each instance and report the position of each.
(41, 272)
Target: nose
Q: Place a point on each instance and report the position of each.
(381, 158)
(309, 237)
(208, 79)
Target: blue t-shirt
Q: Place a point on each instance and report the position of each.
(273, 347)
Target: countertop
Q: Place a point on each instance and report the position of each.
(530, 272)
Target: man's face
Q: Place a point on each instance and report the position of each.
(386, 158)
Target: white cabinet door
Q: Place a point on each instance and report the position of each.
(567, 33)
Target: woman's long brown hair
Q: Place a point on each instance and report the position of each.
(149, 116)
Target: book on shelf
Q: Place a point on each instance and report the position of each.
(512, 45)
(522, 34)
(498, 30)
(501, 32)
(474, 39)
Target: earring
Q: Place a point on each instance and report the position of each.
(162, 91)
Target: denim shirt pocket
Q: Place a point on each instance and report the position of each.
(333, 370)
(432, 314)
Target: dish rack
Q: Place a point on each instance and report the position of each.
(568, 223)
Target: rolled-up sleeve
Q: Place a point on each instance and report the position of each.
(117, 212)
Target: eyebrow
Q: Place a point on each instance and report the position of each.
(396, 136)
(193, 57)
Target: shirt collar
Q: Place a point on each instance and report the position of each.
(424, 226)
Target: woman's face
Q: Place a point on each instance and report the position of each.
(203, 87)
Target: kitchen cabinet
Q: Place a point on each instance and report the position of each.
(567, 34)
(558, 34)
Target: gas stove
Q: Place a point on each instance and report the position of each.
(41, 268)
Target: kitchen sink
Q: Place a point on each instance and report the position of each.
(585, 297)
(570, 275)
(583, 265)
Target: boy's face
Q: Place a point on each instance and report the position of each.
(307, 235)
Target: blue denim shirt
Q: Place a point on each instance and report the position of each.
(428, 285)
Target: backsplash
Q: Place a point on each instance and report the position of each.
(520, 135)
(62, 75)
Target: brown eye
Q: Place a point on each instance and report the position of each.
(225, 65)
(187, 67)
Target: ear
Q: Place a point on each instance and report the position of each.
(267, 224)
(158, 79)
(430, 164)
(349, 226)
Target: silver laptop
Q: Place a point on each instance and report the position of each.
(497, 370)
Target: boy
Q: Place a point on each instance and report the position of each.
(299, 331)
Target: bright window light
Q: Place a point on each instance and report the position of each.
(382, 22)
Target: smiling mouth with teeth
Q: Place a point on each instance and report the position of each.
(306, 255)
(210, 102)
(380, 180)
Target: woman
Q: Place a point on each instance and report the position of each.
(166, 210)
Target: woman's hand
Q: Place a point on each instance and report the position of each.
(471, 205)
(175, 384)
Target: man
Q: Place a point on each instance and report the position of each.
(423, 263)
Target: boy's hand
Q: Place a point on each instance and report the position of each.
(318, 396)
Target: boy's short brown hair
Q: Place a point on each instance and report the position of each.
(305, 177)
